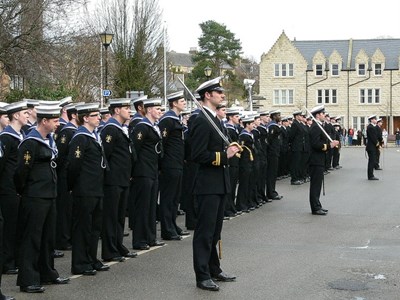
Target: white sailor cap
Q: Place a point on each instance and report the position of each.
(338, 119)
(65, 101)
(232, 111)
(152, 102)
(86, 108)
(256, 116)
(48, 111)
(210, 85)
(285, 119)
(185, 112)
(379, 120)
(15, 107)
(50, 103)
(71, 108)
(197, 96)
(2, 109)
(264, 113)
(119, 102)
(221, 105)
(139, 99)
(274, 112)
(248, 119)
(175, 96)
(105, 110)
(317, 109)
(31, 102)
(297, 112)
(371, 117)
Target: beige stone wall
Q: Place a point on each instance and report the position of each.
(347, 84)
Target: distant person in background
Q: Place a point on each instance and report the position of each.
(350, 136)
(397, 134)
(385, 137)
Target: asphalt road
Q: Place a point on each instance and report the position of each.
(279, 251)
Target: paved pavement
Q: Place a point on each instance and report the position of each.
(279, 251)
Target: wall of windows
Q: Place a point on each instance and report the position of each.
(283, 70)
(283, 97)
(327, 96)
(370, 96)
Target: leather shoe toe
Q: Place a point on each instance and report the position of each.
(9, 298)
(173, 238)
(141, 247)
(11, 272)
(58, 254)
(157, 244)
(32, 289)
(184, 232)
(278, 197)
(102, 268)
(130, 254)
(224, 277)
(373, 178)
(58, 280)
(325, 210)
(117, 259)
(319, 212)
(208, 285)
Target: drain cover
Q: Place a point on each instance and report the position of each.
(348, 285)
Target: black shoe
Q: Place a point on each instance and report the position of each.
(180, 212)
(130, 254)
(224, 277)
(319, 212)
(278, 197)
(338, 167)
(99, 266)
(226, 218)
(325, 210)
(173, 238)
(141, 247)
(11, 271)
(252, 208)
(297, 182)
(126, 233)
(8, 297)
(89, 272)
(326, 172)
(57, 254)
(208, 285)
(373, 178)
(117, 259)
(65, 248)
(156, 244)
(379, 168)
(183, 233)
(58, 280)
(239, 212)
(32, 289)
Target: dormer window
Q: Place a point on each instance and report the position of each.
(318, 69)
(361, 69)
(335, 69)
(378, 69)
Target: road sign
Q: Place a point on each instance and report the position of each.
(106, 93)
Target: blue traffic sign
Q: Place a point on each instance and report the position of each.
(106, 93)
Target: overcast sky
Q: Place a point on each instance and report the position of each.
(259, 23)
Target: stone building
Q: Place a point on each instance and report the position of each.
(352, 78)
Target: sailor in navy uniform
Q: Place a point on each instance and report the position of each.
(246, 140)
(64, 198)
(10, 138)
(171, 165)
(4, 121)
(274, 144)
(64, 116)
(139, 115)
(148, 146)
(86, 165)
(233, 133)
(319, 146)
(105, 115)
(31, 103)
(118, 149)
(372, 146)
(36, 181)
(262, 157)
(378, 127)
(211, 186)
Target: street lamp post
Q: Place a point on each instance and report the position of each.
(207, 72)
(106, 39)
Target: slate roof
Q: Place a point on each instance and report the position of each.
(389, 47)
(180, 59)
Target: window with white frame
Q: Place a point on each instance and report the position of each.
(327, 96)
(283, 70)
(318, 69)
(370, 96)
(359, 123)
(361, 69)
(283, 97)
(378, 69)
(335, 69)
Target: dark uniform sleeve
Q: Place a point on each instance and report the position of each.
(76, 155)
(138, 136)
(109, 137)
(200, 137)
(165, 128)
(315, 139)
(26, 157)
(4, 152)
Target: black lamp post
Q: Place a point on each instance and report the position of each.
(106, 39)
(207, 72)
